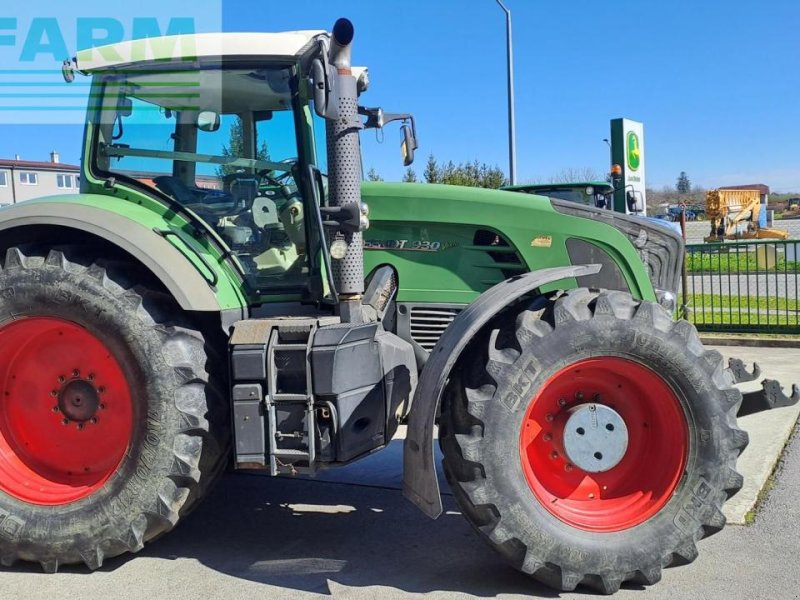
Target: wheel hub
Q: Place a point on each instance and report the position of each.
(78, 400)
(595, 438)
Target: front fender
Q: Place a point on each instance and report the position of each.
(193, 277)
(420, 484)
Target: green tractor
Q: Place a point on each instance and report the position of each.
(205, 304)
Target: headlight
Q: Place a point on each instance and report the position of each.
(660, 248)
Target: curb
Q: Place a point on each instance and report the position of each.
(757, 342)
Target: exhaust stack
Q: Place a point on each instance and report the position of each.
(344, 172)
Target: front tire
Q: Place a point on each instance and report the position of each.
(592, 440)
(105, 440)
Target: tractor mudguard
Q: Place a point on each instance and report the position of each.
(192, 290)
(419, 472)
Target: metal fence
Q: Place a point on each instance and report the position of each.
(747, 286)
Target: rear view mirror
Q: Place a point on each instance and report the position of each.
(409, 145)
(326, 101)
(125, 107)
(635, 201)
(208, 120)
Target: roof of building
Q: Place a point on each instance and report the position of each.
(762, 188)
(36, 166)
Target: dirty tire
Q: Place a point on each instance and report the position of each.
(157, 406)
(489, 454)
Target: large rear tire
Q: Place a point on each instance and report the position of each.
(111, 426)
(592, 440)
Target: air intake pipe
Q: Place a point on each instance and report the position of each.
(344, 173)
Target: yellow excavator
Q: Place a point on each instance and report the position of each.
(729, 209)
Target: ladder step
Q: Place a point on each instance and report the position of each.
(289, 398)
(288, 453)
(297, 347)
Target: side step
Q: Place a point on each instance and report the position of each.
(273, 402)
(287, 401)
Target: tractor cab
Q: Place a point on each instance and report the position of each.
(598, 194)
(229, 137)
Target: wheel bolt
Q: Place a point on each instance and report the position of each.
(578, 396)
(54, 393)
(547, 437)
(65, 422)
(554, 455)
(75, 372)
(93, 420)
(101, 389)
(562, 403)
(80, 426)
(55, 409)
(61, 379)
(91, 376)
(102, 407)
(568, 467)
(549, 418)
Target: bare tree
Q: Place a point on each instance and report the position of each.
(575, 175)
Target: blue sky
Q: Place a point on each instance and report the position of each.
(716, 83)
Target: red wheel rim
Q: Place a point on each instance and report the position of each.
(651, 469)
(66, 416)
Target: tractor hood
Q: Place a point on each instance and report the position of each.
(458, 239)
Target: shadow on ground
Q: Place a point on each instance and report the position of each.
(351, 530)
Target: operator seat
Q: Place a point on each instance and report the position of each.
(172, 186)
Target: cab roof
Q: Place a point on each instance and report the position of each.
(531, 188)
(180, 48)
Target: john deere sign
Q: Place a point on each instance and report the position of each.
(634, 153)
(627, 149)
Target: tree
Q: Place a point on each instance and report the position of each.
(431, 171)
(410, 176)
(235, 149)
(575, 175)
(684, 186)
(373, 175)
(472, 174)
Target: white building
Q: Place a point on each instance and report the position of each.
(23, 180)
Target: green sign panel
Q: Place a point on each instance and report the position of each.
(627, 150)
(634, 152)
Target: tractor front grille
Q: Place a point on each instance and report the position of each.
(428, 324)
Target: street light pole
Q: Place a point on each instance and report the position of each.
(512, 134)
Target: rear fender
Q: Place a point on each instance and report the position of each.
(419, 472)
(150, 245)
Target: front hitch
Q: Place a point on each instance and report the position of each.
(768, 397)
(739, 371)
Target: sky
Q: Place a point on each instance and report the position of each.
(716, 83)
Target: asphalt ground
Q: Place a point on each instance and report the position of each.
(352, 535)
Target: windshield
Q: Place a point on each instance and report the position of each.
(223, 143)
(601, 198)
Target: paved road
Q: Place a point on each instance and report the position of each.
(358, 539)
(766, 286)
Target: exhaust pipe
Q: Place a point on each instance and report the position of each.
(341, 51)
(344, 172)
